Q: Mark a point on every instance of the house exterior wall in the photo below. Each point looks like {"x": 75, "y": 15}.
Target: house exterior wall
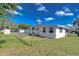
{"x": 29, "y": 32}
{"x": 60, "y": 34}
{"x": 56, "y": 32}
{"x": 21, "y": 31}
{"x": 47, "y": 34}
{"x": 7, "y": 31}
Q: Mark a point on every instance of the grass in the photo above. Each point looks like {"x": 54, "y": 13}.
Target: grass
{"x": 12, "y": 46}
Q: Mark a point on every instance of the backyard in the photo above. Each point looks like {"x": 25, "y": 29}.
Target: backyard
{"x": 10, "y": 45}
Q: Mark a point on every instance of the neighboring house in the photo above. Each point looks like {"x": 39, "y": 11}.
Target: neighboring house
{"x": 7, "y": 31}
{"x": 49, "y": 31}
{"x": 21, "y": 30}
{"x": 28, "y": 31}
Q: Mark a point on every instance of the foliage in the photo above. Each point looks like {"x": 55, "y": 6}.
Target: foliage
{"x": 3, "y": 12}
{"x": 6, "y": 6}
{"x": 24, "y": 26}
{"x": 5, "y": 23}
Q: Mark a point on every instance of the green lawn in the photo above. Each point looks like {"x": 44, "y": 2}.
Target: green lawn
{"x": 10, "y": 45}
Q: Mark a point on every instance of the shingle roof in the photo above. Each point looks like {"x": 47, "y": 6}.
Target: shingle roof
{"x": 60, "y": 26}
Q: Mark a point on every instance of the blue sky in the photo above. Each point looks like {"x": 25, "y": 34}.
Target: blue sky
{"x": 46, "y": 13}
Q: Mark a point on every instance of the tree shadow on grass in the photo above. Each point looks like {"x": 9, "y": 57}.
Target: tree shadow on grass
{"x": 24, "y": 42}
{"x": 2, "y": 42}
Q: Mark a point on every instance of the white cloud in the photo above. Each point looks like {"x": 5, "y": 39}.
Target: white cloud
{"x": 70, "y": 25}
{"x": 49, "y": 19}
{"x": 59, "y": 13}
{"x": 13, "y": 12}
{"x": 63, "y": 13}
{"x": 41, "y": 7}
{"x": 69, "y": 14}
{"x": 18, "y": 13}
{"x": 39, "y": 21}
{"x": 67, "y": 9}
{"x": 19, "y": 7}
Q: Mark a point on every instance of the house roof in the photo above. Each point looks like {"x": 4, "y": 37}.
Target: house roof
{"x": 56, "y": 26}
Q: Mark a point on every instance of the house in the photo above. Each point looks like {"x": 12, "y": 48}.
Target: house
{"x": 7, "y": 31}
{"x": 53, "y": 31}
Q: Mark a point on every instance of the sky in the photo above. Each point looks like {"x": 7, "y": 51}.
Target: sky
{"x": 46, "y": 13}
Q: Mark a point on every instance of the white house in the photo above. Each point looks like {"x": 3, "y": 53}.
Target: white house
{"x": 7, "y": 31}
{"x": 21, "y": 30}
{"x": 49, "y": 31}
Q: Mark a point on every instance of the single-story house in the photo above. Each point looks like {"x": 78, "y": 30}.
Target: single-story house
{"x": 53, "y": 31}
{"x": 21, "y": 30}
{"x": 7, "y": 31}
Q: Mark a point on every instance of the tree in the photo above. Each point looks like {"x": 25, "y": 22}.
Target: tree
{"x": 4, "y": 10}
{"x": 6, "y": 6}
{"x": 24, "y": 26}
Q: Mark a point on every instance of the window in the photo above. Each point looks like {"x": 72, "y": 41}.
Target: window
{"x": 44, "y": 30}
{"x": 50, "y": 30}
{"x": 36, "y": 28}
{"x": 61, "y": 29}
{"x": 33, "y": 28}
